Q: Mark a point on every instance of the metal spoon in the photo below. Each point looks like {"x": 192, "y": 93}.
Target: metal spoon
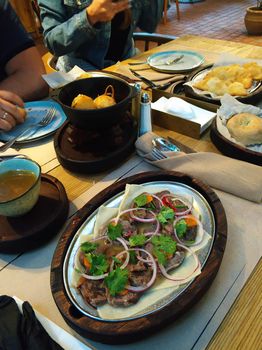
{"x": 164, "y": 145}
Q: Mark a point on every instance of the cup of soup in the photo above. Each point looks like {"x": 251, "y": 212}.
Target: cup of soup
{"x": 20, "y": 180}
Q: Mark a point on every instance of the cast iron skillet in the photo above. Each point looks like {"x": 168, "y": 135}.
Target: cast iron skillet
{"x": 96, "y": 119}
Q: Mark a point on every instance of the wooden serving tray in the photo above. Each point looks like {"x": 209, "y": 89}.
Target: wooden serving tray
{"x": 232, "y": 149}
{"x": 131, "y": 330}
{"x": 18, "y": 234}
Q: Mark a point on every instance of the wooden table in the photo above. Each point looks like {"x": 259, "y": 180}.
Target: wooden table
{"x": 241, "y": 329}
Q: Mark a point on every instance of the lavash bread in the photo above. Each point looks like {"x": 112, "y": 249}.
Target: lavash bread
{"x": 246, "y": 128}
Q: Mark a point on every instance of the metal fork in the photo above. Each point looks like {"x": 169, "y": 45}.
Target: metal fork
{"x": 157, "y": 154}
{"x": 43, "y": 122}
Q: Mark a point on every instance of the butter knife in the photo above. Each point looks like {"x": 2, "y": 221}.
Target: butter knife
{"x": 148, "y": 82}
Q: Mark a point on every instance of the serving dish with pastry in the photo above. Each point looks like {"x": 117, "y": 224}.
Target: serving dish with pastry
{"x": 241, "y": 80}
{"x": 237, "y": 130}
{"x": 138, "y": 254}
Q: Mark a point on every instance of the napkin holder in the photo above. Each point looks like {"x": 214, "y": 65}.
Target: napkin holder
{"x": 178, "y": 124}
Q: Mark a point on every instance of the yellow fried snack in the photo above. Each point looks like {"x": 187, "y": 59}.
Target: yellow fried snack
{"x": 234, "y": 79}
{"x": 254, "y": 69}
{"x": 237, "y": 89}
{"x": 216, "y": 86}
{"x": 83, "y": 102}
{"x": 107, "y": 99}
{"x": 246, "y": 128}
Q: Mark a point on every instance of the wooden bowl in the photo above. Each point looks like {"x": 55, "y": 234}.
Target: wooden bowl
{"x": 232, "y": 149}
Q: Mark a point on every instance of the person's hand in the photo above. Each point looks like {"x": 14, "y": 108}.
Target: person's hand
{"x": 12, "y": 110}
{"x": 105, "y": 10}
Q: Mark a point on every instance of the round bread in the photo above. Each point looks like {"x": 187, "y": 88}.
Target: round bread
{"x": 83, "y": 102}
{"x": 246, "y": 128}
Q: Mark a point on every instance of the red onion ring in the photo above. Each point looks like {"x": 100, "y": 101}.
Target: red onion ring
{"x": 181, "y": 279}
{"x": 94, "y": 278}
{"x": 153, "y": 278}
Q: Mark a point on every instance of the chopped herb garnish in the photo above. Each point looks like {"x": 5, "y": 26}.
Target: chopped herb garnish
{"x": 137, "y": 240}
{"x": 116, "y": 281}
{"x": 181, "y": 228}
{"x": 164, "y": 246}
{"x": 117, "y": 261}
{"x": 143, "y": 199}
{"x": 165, "y": 214}
{"x": 99, "y": 264}
{"x": 88, "y": 247}
{"x": 132, "y": 257}
{"x": 114, "y": 231}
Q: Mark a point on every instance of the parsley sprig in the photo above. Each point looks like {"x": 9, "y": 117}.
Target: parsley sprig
{"x": 98, "y": 264}
{"x": 163, "y": 247}
{"x": 88, "y": 247}
{"x": 116, "y": 281}
{"x": 165, "y": 214}
{"x": 114, "y": 231}
{"x": 137, "y": 240}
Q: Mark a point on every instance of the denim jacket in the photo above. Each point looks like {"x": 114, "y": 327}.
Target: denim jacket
{"x": 69, "y": 35}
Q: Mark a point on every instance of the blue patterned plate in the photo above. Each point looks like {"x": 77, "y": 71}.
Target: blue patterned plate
{"x": 36, "y": 111}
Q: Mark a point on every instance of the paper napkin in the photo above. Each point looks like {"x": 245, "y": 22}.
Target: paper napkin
{"x": 233, "y": 176}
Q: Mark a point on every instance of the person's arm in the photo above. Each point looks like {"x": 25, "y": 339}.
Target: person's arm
{"x": 64, "y": 35}
{"x": 24, "y": 75}
{"x": 12, "y": 110}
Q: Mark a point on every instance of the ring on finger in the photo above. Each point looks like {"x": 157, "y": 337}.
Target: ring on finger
{"x": 4, "y": 116}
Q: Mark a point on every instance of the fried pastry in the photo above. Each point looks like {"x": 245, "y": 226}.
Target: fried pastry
{"x": 234, "y": 79}
{"x": 246, "y": 128}
{"x": 237, "y": 89}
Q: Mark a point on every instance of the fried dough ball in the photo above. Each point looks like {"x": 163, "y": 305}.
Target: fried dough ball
{"x": 83, "y": 102}
{"x": 107, "y": 99}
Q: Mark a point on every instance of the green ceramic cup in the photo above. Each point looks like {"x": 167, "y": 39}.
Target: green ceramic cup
{"x": 24, "y": 202}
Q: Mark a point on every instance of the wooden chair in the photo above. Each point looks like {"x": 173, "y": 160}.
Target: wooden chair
{"x": 165, "y": 10}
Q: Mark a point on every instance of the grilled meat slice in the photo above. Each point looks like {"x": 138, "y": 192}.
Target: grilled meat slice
{"x": 177, "y": 260}
{"x": 93, "y": 292}
{"x": 123, "y": 299}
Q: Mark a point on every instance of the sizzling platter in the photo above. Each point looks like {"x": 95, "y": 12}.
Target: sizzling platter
{"x": 86, "y": 320}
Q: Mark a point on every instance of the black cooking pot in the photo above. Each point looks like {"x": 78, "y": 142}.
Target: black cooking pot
{"x": 96, "y": 118}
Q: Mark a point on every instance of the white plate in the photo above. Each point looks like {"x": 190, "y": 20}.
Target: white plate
{"x": 190, "y": 60}
{"x": 35, "y": 112}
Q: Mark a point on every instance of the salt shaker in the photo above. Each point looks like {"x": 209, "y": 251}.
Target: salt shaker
{"x": 145, "y": 123}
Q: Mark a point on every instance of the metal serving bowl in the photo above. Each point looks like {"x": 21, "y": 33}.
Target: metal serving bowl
{"x": 95, "y": 119}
